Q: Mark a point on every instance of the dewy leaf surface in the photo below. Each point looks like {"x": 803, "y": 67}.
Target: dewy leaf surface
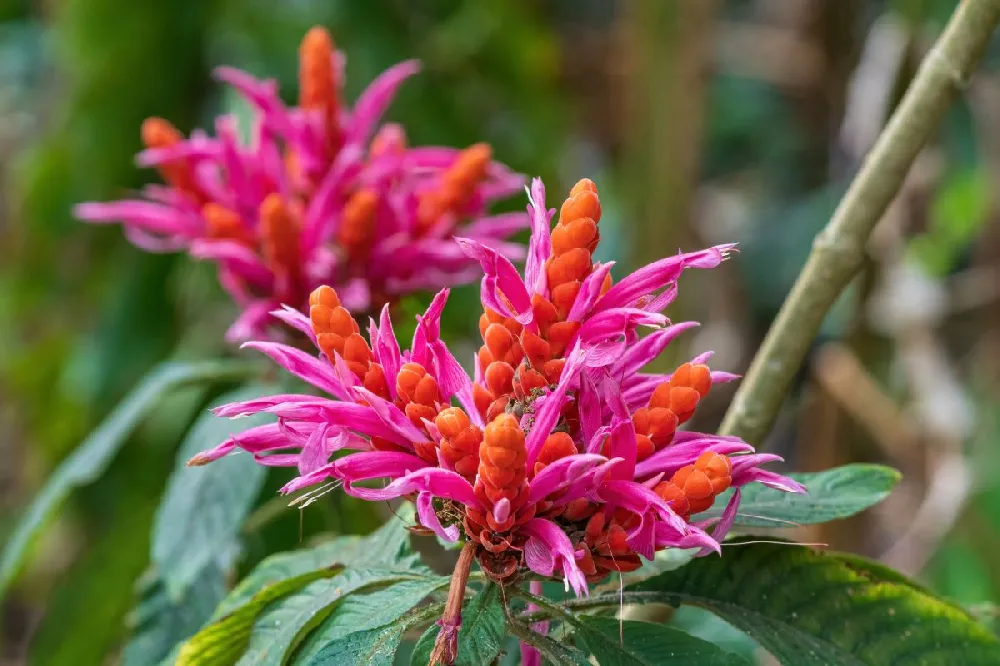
{"x": 632, "y": 643}
{"x": 823, "y": 609}
{"x": 836, "y": 493}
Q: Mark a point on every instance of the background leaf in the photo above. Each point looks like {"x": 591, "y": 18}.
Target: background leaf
{"x": 92, "y": 457}
{"x": 631, "y": 643}
{"x": 160, "y": 621}
{"x": 203, "y": 508}
{"x": 833, "y": 494}
{"x": 810, "y": 608}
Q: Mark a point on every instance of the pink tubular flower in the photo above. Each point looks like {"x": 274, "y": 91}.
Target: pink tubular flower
{"x": 319, "y": 196}
{"x": 560, "y": 457}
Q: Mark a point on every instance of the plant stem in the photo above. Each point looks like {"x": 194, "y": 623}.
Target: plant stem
{"x": 446, "y": 645}
{"x": 838, "y": 251}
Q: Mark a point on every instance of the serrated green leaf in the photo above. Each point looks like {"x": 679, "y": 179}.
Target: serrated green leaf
{"x": 95, "y": 453}
{"x": 480, "y": 637}
{"x": 283, "y": 625}
{"x": 824, "y": 609}
{"x": 373, "y": 647}
{"x": 203, "y": 508}
{"x": 556, "y": 653}
{"x": 364, "y": 611}
{"x": 224, "y": 640}
{"x": 836, "y": 493}
{"x": 631, "y": 643}
{"x": 386, "y": 547}
{"x": 160, "y": 621}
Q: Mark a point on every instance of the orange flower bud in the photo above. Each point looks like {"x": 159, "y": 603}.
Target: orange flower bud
{"x": 581, "y": 204}
{"x": 407, "y": 379}
{"x": 557, "y": 445}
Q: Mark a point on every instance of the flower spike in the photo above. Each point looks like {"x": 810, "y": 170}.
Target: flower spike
{"x": 320, "y": 195}
{"x": 564, "y": 459}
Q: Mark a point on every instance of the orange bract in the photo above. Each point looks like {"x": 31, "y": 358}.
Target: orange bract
{"x": 454, "y": 191}
{"x": 279, "y": 229}
{"x": 224, "y": 223}
{"x": 693, "y": 488}
{"x": 357, "y": 222}
{"x": 160, "y": 133}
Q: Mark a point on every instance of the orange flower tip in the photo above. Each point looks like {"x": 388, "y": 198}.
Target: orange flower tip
{"x": 317, "y": 89}
{"x": 273, "y": 206}
{"x": 478, "y": 153}
{"x": 583, "y": 185}
{"x": 317, "y": 38}
{"x": 451, "y": 421}
{"x": 159, "y": 133}
{"x": 582, "y": 204}
{"x": 324, "y": 295}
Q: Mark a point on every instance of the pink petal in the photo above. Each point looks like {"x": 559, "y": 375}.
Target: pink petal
{"x": 623, "y": 445}
{"x": 590, "y": 291}
{"x": 428, "y": 329}
{"x": 560, "y": 474}
{"x": 376, "y": 98}
{"x": 503, "y": 289}
{"x": 296, "y": 320}
{"x": 547, "y": 549}
{"x": 495, "y": 226}
{"x": 392, "y": 416}
{"x": 434, "y": 480}
{"x": 385, "y": 348}
{"x": 540, "y": 244}
{"x": 659, "y": 274}
{"x": 429, "y": 519}
{"x": 304, "y": 366}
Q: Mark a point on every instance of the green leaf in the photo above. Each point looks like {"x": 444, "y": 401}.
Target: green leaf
{"x": 836, "y": 493}
{"x": 361, "y": 612}
{"x": 387, "y": 547}
{"x": 372, "y": 647}
{"x": 225, "y": 639}
{"x": 824, "y": 609}
{"x": 159, "y": 622}
{"x": 93, "y": 456}
{"x": 203, "y": 508}
{"x": 552, "y": 651}
{"x": 480, "y": 636}
{"x": 283, "y": 625}
{"x": 632, "y": 643}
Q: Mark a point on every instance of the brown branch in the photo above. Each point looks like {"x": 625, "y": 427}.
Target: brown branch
{"x": 446, "y": 645}
{"x": 838, "y": 251}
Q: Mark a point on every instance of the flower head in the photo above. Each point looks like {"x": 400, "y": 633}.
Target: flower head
{"x": 559, "y": 456}
{"x": 321, "y": 195}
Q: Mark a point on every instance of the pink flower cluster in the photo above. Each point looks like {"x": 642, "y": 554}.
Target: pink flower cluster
{"x": 321, "y": 195}
{"x": 559, "y": 456}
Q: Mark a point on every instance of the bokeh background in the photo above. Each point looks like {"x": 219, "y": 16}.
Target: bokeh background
{"x": 702, "y": 122}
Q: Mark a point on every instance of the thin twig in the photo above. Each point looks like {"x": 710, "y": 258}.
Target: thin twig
{"x": 446, "y": 645}
{"x": 843, "y": 376}
{"x": 838, "y": 251}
